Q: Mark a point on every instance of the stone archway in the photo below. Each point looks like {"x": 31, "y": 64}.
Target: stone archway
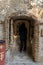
{"x": 32, "y": 27}
{"x": 13, "y": 23}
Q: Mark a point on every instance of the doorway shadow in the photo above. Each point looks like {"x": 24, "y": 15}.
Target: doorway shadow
{"x": 23, "y": 37}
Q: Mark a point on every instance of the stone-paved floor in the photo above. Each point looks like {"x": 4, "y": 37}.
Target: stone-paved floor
{"x": 18, "y": 58}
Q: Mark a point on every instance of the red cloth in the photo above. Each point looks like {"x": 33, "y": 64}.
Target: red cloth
{"x": 2, "y": 54}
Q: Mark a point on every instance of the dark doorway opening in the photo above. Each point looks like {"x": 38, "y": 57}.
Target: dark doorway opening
{"x": 23, "y": 37}
{"x": 21, "y": 29}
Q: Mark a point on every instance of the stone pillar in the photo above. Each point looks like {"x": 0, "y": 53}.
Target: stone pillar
{"x": 35, "y": 42}
{"x": 7, "y": 33}
{"x": 40, "y": 54}
{"x": 11, "y": 31}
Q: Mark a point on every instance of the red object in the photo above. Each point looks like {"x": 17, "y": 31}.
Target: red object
{"x": 2, "y": 52}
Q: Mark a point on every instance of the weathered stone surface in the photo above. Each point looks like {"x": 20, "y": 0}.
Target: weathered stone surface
{"x": 18, "y": 8}
{"x": 1, "y": 31}
{"x": 10, "y": 6}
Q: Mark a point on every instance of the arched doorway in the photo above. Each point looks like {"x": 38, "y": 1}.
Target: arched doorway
{"x": 14, "y": 31}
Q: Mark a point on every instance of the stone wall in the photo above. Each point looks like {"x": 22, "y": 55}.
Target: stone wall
{"x": 2, "y": 30}
{"x": 21, "y": 6}
{"x": 12, "y": 8}
{"x": 7, "y": 33}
